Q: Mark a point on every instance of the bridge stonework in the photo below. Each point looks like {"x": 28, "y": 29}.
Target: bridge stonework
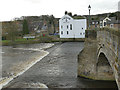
{"x": 96, "y": 42}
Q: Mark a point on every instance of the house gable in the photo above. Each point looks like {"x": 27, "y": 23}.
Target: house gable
{"x": 66, "y": 18}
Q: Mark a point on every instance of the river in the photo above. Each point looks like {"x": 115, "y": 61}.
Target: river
{"x": 58, "y": 69}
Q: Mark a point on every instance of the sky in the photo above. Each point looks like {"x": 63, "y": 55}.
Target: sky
{"x": 16, "y": 8}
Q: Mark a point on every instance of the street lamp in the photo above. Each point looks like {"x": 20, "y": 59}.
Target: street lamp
{"x": 89, "y": 8}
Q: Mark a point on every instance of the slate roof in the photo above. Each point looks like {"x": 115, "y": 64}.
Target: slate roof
{"x": 79, "y": 17}
{"x": 113, "y": 20}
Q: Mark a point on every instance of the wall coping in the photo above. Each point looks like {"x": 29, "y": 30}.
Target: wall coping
{"x": 113, "y": 31}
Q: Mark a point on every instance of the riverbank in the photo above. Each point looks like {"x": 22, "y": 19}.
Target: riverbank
{"x": 18, "y": 60}
{"x": 45, "y": 39}
{"x": 23, "y": 41}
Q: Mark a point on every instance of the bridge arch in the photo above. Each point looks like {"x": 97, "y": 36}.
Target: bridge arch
{"x": 103, "y": 67}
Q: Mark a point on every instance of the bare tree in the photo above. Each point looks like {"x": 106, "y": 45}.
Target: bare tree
{"x": 13, "y": 30}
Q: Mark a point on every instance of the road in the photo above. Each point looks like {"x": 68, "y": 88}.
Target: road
{"x": 58, "y": 70}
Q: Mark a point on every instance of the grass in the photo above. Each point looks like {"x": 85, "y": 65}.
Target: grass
{"x": 5, "y": 41}
{"x": 19, "y": 41}
{"x": 23, "y": 39}
{"x": 41, "y": 39}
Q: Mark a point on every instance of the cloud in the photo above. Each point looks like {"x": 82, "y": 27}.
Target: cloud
{"x": 18, "y": 8}
{"x": 119, "y": 6}
{"x": 34, "y": 1}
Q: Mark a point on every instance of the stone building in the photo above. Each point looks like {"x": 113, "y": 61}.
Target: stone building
{"x": 44, "y": 22}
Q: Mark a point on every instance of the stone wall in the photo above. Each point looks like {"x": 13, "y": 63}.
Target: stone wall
{"x": 87, "y": 58}
{"x": 110, "y": 42}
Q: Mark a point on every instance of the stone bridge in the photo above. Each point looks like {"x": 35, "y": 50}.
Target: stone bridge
{"x": 100, "y": 58}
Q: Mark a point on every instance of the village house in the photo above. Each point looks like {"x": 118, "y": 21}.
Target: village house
{"x": 72, "y": 27}
{"x": 95, "y": 24}
{"x": 111, "y": 22}
{"x": 115, "y": 23}
{"x": 104, "y": 22}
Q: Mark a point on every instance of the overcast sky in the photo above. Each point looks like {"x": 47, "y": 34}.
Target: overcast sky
{"x": 17, "y": 8}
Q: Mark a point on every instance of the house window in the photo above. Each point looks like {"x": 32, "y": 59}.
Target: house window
{"x": 82, "y": 28}
{"x": 67, "y": 32}
{"x": 70, "y": 26}
{"x": 67, "y": 27}
{"x": 105, "y": 24}
{"x": 80, "y": 33}
{"x": 93, "y": 22}
{"x": 101, "y": 24}
{"x": 61, "y": 32}
{"x": 96, "y": 22}
{"x": 111, "y": 25}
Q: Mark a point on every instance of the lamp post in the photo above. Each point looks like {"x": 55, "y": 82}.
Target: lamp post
{"x": 89, "y": 8}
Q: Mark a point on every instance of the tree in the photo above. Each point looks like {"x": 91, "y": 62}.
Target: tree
{"x": 12, "y": 31}
{"x": 112, "y": 15}
{"x": 25, "y": 27}
{"x": 51, "y": 25}
{"x": 75, "y": 15}
{"x": 70, "y": 14}
{"x": 66, "y": 12}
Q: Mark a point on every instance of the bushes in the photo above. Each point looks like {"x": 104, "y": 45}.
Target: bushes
{"x": 19, "y": 41}
{"x": 45, "y": 39}
{"x": 25, "y": 27}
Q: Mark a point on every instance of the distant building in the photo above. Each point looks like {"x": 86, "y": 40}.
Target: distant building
{"x": 104, "y": 22}
{"x": 95, "y": 24}
{"x": 72, "y": 28}
{"x": 111, "y": 22}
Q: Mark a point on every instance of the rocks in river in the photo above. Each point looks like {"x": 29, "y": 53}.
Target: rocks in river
{"x": 34, "y": 85}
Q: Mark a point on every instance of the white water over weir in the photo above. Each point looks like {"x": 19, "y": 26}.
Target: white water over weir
{"x": 20, "y": 68}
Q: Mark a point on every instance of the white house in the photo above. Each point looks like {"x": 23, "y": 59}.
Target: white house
{"x": 72, "y": 28}
{"x": 104, "y": 22}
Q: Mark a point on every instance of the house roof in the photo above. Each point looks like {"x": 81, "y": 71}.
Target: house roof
{"x": 114, "y": 20}
{"x": 66, "y": 16}
{"x": 78, "y": 17}
{"x": 74, "y": 17}
{"x": 105, "y": 18}
{"x": 101, "y": 19}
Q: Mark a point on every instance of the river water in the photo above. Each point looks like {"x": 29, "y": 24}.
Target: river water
{"x": 19, "y": 58}
{"x": 58, "y": 69}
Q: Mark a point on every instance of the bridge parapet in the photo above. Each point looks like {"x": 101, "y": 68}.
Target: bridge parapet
{"x": 100, "y": 41}
{"x": 110, "y": 41}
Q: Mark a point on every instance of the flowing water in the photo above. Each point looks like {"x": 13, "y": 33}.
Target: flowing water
{"x": 58, "y": 69}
